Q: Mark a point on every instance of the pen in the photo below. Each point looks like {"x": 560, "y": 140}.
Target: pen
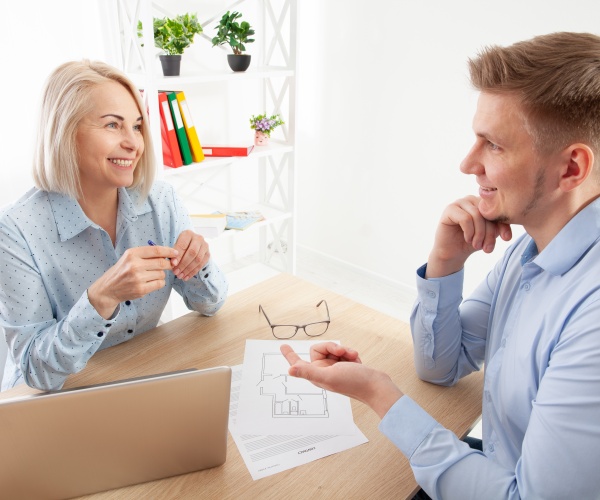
{"x": 152, "y": 244}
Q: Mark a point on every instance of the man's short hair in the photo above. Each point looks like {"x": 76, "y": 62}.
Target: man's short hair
{"x": 65, "y": 101}
{"x": 556, "y": 78}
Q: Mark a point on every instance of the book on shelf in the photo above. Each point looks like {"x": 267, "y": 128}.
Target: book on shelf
{"x": 170, "y": 144}
{"x": 184, "y": 145}
{"x": 241, "y": 220}
{"x": 227, "y": 150}
{"x": 190, "y": 129}
{"x": 209, "y": 225}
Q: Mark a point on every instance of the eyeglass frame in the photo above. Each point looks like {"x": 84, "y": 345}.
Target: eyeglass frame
{"x": 298, "y": 327}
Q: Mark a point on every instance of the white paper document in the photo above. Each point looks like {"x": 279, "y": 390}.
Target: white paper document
{"x": 266, "y": 453}
{"x": 273, "y": 402}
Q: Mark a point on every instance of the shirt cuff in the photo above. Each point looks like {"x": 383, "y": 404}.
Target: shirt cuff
{"x": 205, "y": 273}
{"x": 441, "y": 292}
{"x": 84, "y": 318}
{"x": 406, "y": 425}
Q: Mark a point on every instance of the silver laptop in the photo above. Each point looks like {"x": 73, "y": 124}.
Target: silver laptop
{"x": 80, "y": 441}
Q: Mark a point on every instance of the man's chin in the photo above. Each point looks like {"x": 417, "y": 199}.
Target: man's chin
{"x": 505, "y": 219}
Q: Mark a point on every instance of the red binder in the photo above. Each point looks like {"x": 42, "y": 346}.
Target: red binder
{"x": 227, "y": 150}
{"x": 170, "y": 146}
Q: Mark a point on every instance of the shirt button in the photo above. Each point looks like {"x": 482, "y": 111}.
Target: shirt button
{"x": 431, "y": 294}
{"x": 527, "y": 286}
{"x": 491, "y": 448}
{"x": 206, "y": 275}
{"x": 128, "y": 302}
{"x": 100, "y": 334}
{"x": 107, "y": 325}
{"x": 129, "y": 331}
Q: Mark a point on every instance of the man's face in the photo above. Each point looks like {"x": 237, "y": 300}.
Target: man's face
{"x": 512, "y": 176}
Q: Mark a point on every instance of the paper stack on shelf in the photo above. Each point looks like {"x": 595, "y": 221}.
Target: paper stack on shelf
{"x": 241, "y": 220}
{"x": 209, "y": 225}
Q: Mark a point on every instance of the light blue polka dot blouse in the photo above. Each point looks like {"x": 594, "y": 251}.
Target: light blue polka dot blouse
{"x": 50, "y": 252}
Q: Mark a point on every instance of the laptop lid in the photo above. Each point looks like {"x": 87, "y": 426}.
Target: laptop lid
{"x": 75, "y": 442}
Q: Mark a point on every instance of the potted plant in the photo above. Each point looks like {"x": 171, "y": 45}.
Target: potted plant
{"x": 263, "y": 127}
{"x": 173, "y": 36}
{"x": 236, "y": 34}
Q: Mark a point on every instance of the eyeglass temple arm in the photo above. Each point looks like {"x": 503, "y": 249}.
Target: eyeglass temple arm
{"x": 326, "y": 307}
{"x": 260, "y": 308}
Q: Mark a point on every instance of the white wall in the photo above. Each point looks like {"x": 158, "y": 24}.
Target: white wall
{"x": 384, "y": 110}
{"x": 36, "y": 36}
{"x": 385, "y": 119}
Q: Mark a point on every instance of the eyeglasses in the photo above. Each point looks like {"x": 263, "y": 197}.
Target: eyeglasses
{"x": 288, "y": 331}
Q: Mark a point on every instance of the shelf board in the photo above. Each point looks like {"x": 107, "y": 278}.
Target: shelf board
{"x": 211, "y": 162}
{"x": 171, "y": 82}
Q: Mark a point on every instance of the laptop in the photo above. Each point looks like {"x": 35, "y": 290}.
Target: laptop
{"x": 70, "y": 443}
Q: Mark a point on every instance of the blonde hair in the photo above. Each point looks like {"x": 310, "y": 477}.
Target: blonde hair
{"x": 65, "y": 101}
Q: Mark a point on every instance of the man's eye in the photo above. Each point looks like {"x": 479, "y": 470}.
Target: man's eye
{"x": 492, "y": 146}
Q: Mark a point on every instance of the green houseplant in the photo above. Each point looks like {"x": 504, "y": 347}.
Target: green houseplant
{"x": 236, "y": 34}
{"x": 173, "y": 36}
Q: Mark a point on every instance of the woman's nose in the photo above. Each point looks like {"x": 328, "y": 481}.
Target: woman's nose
{"x": 131, "y": 139}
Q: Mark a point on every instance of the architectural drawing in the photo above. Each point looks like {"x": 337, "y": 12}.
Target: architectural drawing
{"x": 291, "y": 397}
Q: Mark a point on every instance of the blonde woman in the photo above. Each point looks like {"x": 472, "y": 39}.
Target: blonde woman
{"x": 77, "y": 272}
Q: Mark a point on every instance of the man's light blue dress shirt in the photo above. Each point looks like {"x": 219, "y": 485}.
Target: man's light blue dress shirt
{"x": 535, "y": 325}
{"x": 50, "y": 253}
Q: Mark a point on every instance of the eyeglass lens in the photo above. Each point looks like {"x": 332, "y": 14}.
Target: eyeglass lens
{"x": 288, "y": 331}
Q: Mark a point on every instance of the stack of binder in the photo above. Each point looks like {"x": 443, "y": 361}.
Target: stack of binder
{"x": 180, "y": 142}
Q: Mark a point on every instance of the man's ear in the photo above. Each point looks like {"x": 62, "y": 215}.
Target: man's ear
{"x": 577, "y": 166}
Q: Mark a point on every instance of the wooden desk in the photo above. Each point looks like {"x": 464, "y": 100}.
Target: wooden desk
{"x": 373, "y": 470}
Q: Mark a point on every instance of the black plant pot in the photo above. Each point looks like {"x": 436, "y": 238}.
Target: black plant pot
{"x": 238, "y": 62}
{"x": 171, "y": 64}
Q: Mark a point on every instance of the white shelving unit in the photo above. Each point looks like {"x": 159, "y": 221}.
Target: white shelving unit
{"x": 265, "y": 180}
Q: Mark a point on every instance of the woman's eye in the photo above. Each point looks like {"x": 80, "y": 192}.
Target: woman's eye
{"x": 112, "y": 125}
{"x": 137, "y": 128}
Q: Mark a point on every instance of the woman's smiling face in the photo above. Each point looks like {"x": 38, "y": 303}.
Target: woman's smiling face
{"x": 109, "y": 139}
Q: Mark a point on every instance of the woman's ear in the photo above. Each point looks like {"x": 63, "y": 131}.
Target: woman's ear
{"x": 578, "y": 165}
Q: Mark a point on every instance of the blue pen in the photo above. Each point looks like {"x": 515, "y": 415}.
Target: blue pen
{"x": 152, "y": 244}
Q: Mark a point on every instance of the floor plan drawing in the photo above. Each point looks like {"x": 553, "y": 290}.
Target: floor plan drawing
{"x": 272, "y": 402}
{"x": 291, "y": 397}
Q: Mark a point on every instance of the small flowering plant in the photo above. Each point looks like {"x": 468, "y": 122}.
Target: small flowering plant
{"x": 262, "y": 123}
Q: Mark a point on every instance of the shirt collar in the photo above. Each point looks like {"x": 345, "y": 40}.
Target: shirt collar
{"x": 71, "y": 220}
{"x": 573, "y": 240}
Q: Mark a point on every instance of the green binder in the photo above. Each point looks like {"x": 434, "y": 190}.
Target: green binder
{"x": 184, "y": 145}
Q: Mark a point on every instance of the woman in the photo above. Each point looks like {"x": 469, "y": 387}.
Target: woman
{"x": 78, "y": 273}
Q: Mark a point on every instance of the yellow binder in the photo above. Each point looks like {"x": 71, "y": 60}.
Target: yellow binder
{"x": 190, "y": 129}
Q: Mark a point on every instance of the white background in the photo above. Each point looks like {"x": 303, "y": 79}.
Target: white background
{"x": 384, "y": 110}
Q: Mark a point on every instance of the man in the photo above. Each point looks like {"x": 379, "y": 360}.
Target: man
{"x": 535, "y": 320}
